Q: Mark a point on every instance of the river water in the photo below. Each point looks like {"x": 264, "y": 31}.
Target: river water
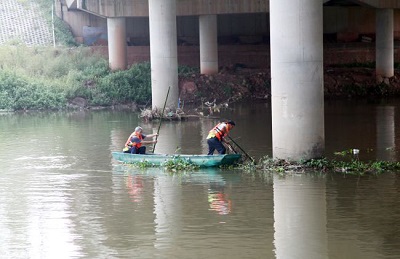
{"x": 63, "y": 196}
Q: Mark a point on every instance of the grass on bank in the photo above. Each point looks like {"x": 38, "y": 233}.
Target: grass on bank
{"x": 37, "y": 78}
{"x": 48, "y": 78}
{"x": 42, "y": 78}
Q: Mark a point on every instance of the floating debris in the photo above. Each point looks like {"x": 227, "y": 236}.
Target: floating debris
{"x": 155, "y": 114}
{"x": 206, "y": 109}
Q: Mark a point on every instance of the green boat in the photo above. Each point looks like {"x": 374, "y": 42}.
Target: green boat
{"x": 159, "y": 159}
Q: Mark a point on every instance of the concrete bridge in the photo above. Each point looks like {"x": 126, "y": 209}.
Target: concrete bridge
{"x": 132, "y": 8}
{"x": 295, "y": 31}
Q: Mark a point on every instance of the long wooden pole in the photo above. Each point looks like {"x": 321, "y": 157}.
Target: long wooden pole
{"x": 52, "y": 21}
{"x": 161, "y": 117}
{"x": 230, "y": 147}
{"x": 252, "y": 159}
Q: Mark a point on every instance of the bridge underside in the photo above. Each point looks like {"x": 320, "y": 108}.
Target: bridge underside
{"x": 139, "y": 8}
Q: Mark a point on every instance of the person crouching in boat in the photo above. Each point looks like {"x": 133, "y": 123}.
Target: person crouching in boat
{"x": 216, "y": 137}
{"x": 135, "y": 141}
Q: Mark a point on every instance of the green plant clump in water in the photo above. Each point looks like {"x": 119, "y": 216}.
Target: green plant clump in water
{"x": 174, "y": 165}
{"x": 142, "y": 164}
{"x": 179, "y": 164}
{"x": 352, "y": 167}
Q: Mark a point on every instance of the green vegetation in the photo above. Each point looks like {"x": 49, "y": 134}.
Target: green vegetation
{"x": 351, "y": 166}
{"x": 142, "y": 165}
{"x": 354, "y": 166}
{"x": 179, "y": 164}
{"x": 186, "y": 71}
{"x": 62, "y": 32}
{"x": 347, "y": 165}
{"x": 43, "y": 78}
{"x": 47, "y": 78}
{"x": 173, "y": 165}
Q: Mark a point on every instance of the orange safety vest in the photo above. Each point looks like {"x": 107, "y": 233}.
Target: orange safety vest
{"x": 134, "y": 144}
{"x": 219, "y": 131}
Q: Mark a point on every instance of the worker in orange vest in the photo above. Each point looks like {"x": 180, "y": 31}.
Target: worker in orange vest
{"x": 134, "y": 143}
{"x": 216, "y": 137}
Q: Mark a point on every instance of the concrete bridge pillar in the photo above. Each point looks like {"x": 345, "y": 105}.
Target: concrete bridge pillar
{"x": 117, "y": 51}
{"x": 208, "y": 44}
{"x": 297, "y": 79}
{"x": 384, "y": 43}
{"x": 163, "y": 53}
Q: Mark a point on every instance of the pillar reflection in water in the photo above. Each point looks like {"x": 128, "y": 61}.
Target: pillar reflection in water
{"x": 300, "y": 217}
{"x": 385, "y": 133}
{"x": 169, "y": 140}
{"x": 117, "y": 140}
{"x": 191, "y": 136}
{"x": 167, "y": 210}
{"x": 206, "y": 126}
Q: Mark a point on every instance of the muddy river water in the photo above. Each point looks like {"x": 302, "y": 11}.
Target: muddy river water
{"x": 63, "y": 196}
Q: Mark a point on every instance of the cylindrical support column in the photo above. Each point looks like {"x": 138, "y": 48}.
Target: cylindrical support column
{"x": 163, "y": 53}
{"x": 208, "y": 44}
{"x": 384, "y": 43}
{"x": 117, "y": 51}
{"x": 297, "y": 79}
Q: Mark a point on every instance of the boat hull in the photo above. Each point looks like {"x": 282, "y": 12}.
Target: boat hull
{"x": 159, "y": 159}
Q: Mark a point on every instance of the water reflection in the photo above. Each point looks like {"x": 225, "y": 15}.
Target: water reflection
{"x": 359, "y": 224}
{"x": 220, "y": 201}
{"x": 300, "y": 217}
{"x": 192, "y": 209}
{"x": 385, "y": 133}
{"x": 167, "y": 141}
{"x": 369, "y": 127}
{"x": 135, "y": 186}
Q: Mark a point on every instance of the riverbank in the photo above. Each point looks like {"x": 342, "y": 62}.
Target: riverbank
{"x": 76, "y": 78}
{"x": 238, "y": 83}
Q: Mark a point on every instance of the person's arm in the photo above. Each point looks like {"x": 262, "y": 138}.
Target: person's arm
{"x": 152, "y": 135}
{"x": 225, "y": 132}
{"x": 148, "y": 141}
{"x": 128, "y": 140}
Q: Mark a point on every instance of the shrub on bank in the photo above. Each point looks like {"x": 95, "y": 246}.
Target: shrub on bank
{"x": 18, "y": 93}
{"x": 46, "y": 78}
{"x": 132, "y": 85}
